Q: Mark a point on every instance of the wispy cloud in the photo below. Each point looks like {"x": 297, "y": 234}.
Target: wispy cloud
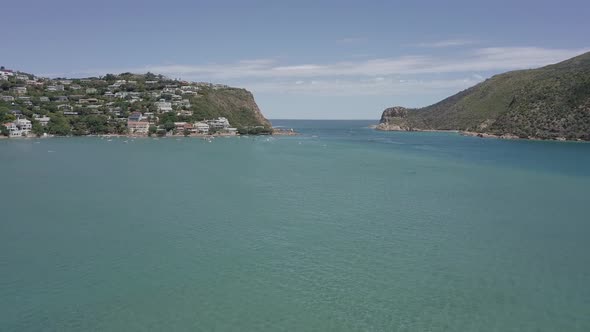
{"x": 446, "y": 43}
{"x": 482, "y": 59}
{"x": 365, "y": 75}
{"x": 368, "y": 87}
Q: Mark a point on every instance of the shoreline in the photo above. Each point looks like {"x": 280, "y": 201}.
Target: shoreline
{"x": 514, "y": 137}
{"x": 397, "y": 128}
{"x": 290, "y": 132}
{"x": 484, "y": 135}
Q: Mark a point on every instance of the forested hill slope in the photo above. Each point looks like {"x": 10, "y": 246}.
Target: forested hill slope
{"x": 551, "y": 102}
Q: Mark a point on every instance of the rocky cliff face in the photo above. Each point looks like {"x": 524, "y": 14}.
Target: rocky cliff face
{"x": 395, "y": 119}
{"x": 237, "y": 105}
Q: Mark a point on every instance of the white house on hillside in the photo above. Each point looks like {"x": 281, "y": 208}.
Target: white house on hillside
{"x": 55, "y": 88}
{"x": 19, "y": 90}
{"x": 6, "y": 73}
{"x": 18, "y": 128}
{"x": 138, "y": 127}
{"x": 163, "y": 106}
{"x": 219, "y": 123}
{"x": 44, "y": 120}
{"x": 201, "y": 127}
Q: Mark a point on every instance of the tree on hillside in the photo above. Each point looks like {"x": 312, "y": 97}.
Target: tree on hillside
{"x": 80, "y": 128}
{"x": 119, "y": 128}
{"x": 110, "y": 77}
{"x": 96, "y": 124}
{"x": 58, "y": 125}
{"x": 169, "y": 126}
{"x": 168, "y": 117}
{"x": 152, "y": 130}
{"x": 5, "y": 116}
{"x": 37, "y": 129}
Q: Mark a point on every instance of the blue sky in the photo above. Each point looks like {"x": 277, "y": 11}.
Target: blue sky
{"x": 303, "y": 59}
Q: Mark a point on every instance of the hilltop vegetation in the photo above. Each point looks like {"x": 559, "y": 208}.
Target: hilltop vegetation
{"x": 101, "y": 105}
{"x": 552, "y": 102}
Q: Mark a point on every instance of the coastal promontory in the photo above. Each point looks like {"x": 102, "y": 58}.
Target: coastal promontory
{"x": 124, "y": 104}
{"x": 551, "y": 102}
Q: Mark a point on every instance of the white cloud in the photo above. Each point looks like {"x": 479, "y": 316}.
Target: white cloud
{"x": 478, "y": 60}
{"x": 347, "y": 87}
{"x": 446, "y": 43}
{"x": 503, "y": 58}
{"x": 382, "y": 75}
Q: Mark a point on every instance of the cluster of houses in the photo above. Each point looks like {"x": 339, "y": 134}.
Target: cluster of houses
{"x": 23, "y": 127}
{"x": 139, "y": 124}
{"x": 220, "y": 125}
{"x": 89, "y": 98}
{"x": 82, "y": 98}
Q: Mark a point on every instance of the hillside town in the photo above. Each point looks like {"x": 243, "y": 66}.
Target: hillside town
{"x": 124, "y": 104}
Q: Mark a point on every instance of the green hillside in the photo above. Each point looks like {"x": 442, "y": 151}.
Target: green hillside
{"x": 549, "y": 103}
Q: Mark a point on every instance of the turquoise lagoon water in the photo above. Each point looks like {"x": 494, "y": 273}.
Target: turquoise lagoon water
{"x": 339, "y": 229}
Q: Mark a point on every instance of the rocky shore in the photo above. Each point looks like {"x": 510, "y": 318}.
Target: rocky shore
{"x": 284, "y": 132}
{"x": 511, "y": 136}
{"x": 400, "y": 119}
{"x": 389, "y": 127}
